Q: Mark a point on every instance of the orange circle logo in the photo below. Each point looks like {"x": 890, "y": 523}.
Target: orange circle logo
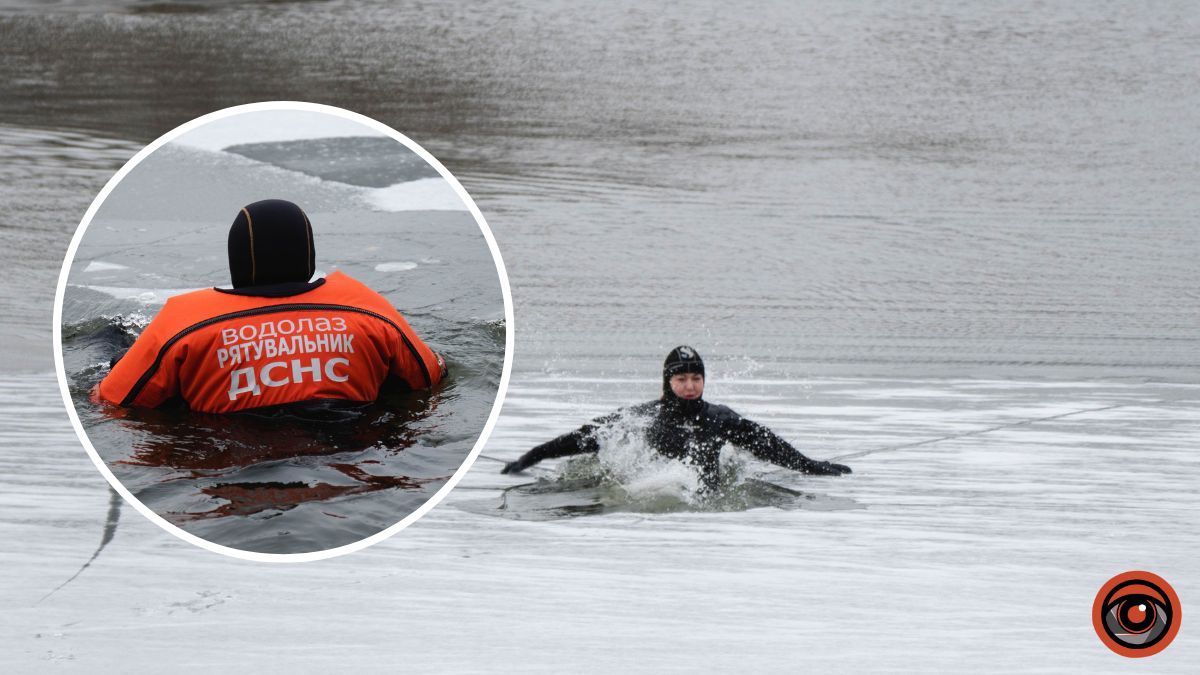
{"x": 1136, "y": 614}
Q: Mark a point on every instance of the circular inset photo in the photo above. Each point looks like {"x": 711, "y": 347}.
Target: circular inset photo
{"x": 283, "y": 331}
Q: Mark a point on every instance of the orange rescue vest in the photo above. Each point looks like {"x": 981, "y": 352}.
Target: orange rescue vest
{"x": 223, "y": 352}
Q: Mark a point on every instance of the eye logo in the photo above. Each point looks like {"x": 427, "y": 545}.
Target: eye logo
{"x": 1136, "y": 614}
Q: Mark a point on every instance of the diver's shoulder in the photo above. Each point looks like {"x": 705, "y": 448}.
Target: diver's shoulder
{"x": 345, "y": 288}
{"x": 199, "y": 302}
{"x": 184, "y": 310}
{"x": 198, "y": 295}
{"x": 721, "y": 412}
{"x": 641, "y": 408}
{"x": 340, "y": 278}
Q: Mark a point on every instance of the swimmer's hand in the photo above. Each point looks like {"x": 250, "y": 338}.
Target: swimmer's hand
{"x": 826, "y": 469}
{"x": 516, "y": 466}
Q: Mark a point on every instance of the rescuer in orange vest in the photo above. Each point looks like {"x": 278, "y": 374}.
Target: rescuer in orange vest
{"x": 275, "y": 337}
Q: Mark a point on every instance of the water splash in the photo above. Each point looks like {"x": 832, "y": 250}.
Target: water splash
{"x": 627, "y": 475}
{"x": 627, "y": 462}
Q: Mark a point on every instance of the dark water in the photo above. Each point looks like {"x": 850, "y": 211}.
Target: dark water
{"x": 878, "y": 190}
{"x": 558, "y": 498}
{"x": 47, "y": 180}
{"x": 297, "y": 480}
{"x": 288, "y": 481}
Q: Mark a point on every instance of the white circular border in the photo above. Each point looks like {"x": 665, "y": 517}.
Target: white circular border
{"x": 508, "y": 332}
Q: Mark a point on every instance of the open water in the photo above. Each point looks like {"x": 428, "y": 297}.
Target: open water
{"x": 883, "y": 225}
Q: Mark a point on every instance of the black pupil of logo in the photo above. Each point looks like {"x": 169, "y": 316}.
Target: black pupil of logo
{"x": 1136, "y": 620}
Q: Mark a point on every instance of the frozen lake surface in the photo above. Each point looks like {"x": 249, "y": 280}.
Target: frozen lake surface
{"x": 985, "y": 548}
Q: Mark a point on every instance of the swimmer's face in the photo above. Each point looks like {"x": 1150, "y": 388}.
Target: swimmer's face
{"x": 688, "y": 386}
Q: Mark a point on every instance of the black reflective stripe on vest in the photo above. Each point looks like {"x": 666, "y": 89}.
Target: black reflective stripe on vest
{"x": 141, "y": 383}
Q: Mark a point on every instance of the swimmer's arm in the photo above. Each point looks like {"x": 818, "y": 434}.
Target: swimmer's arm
{"x": 577, "y": 442}
{"x": 769, "y": 447}
{"x": 573, "y": 443}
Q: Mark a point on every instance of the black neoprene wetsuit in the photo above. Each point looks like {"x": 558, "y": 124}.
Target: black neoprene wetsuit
{"x": 688, "y": 430}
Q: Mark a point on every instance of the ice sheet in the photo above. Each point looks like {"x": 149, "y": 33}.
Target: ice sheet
{"x": 982, "y": 552}
{"x": 274, "y": 125}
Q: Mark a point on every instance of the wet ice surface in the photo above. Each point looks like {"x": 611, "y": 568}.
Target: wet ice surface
{"x": 984, "y": 550}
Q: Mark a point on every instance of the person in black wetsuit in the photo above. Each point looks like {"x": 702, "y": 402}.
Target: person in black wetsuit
{"x": 685, "y": 426}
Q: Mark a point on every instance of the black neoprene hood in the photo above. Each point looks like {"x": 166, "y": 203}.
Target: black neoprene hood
{"x": 271, "y": 242}
{"x": 682, "y": 359}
